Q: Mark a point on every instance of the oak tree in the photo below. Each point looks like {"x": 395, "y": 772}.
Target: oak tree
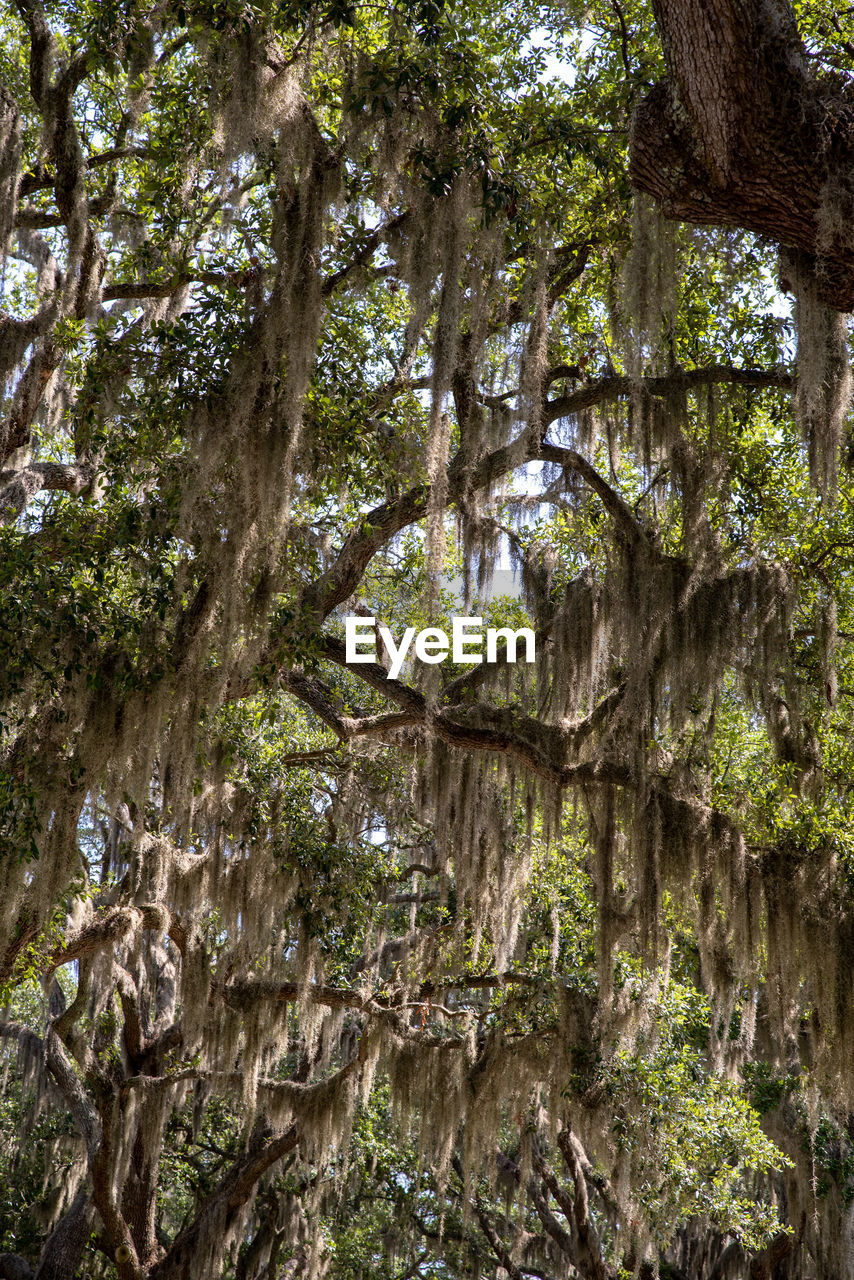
{"x": 325, "y": 309}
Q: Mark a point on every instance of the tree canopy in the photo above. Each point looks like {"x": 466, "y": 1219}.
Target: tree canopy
{"x": 322, "y": 310}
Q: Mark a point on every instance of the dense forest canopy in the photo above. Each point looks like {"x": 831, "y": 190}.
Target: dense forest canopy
{"x": 326, "y": 310}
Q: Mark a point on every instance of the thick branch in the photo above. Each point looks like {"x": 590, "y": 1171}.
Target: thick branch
{"x": 590, "y": 1261}
{"x": 542, "y": 749}
{"x": 14, "y": 1267}
{"x": 622, "y": 513}
{"x": 742, "y": 134}
{"x": 118, "y": 924}
{"x": 20, "y": 488}
{"x": 496, "y": 1244}
{"x": 366, "y": 251}
{"x": 246, "y": 993}
{"x": 227, "y": 1200}
{"x": 550, "y": 1223}
{"x": 382, "y": 523}
{"x": 62, "y": 1070}
{"x": 615, "y": 387}
{"x": 64, "y": 1247}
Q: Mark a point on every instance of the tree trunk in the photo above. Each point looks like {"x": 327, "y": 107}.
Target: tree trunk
{"x": 64, "y": 1249}
{"x": 14, "y": 1267}
{"x": 742, "y": 134}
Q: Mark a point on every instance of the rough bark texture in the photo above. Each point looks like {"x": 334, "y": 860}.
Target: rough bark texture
{"x": 742, "y": 133}
{"x": 14, "y": 1267}
{"x": 65, "y": 1245}
{"x": 10, "y": 151}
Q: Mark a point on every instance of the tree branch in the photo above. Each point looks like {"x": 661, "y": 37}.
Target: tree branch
{"x": 225, "y": 1203}
{"x": 18, "y": 489}
{"x": 742, "y": 133}
{"x": 118, "y": 924}
{"x": 495, "y": 1242}
{"x": 622, "y": 513}
{"x": 615, "y": 387}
